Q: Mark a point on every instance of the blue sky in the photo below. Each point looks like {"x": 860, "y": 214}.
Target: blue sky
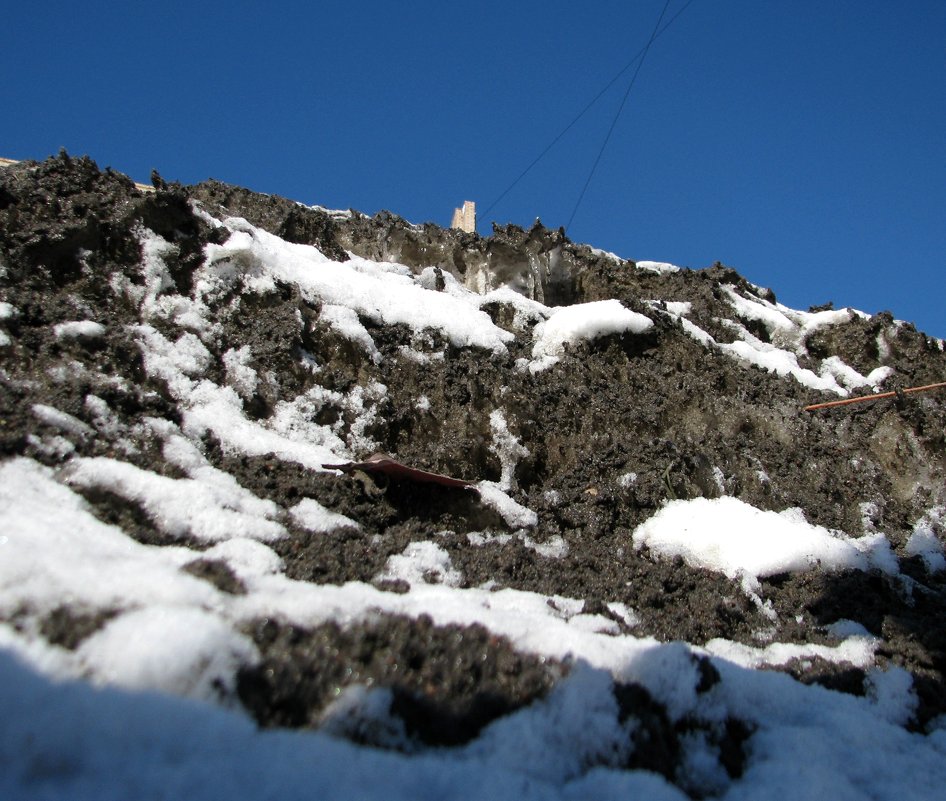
{"x": 803, "y": 142}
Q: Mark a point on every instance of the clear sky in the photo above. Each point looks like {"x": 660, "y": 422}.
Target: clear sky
{"x": 802, "y": 142}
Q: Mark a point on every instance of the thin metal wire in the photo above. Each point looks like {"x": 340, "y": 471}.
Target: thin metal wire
{"x": 584, "y": 111}
{"x": 614, "y": 122}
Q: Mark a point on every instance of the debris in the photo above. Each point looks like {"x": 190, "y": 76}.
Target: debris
{"x": 895, "y": 394}
{"x": 380, "y": 463}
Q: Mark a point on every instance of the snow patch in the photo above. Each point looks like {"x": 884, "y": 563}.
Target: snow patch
{"x": 659, "y": 267}
{"x": 312, "y": 516}
{"x": 188, "y": 652}
{"x": 568, "y": 325}
{"x": 79, "y": 329}
{"x": 422, "y": 563}
{"x": 514, "y": 513}
{"x": 731, "y": 537}
{"x": 209, "y": 507}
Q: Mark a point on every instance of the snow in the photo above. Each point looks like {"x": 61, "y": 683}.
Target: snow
{"x": 345, "y": 321}
{"x": 312, "y": 516}
{"x": 178, "y": 635}
{"x": 506, "y": 447}
{"x": 570, "y": 324}
{"x": 627, "y": 480}
{"x": 79, "y": 329}
{"x": 210, "y": 507}
{"x": 924, "y": 543}
{"x": 422, "y": 562}
{"x": 61, "y": 420}
{"x": 240, "y": 375}
{"x": 378, "y": 291}
{"x": 788, "y": 330}
{"x": 190, "y": 652}
{"x": 514, "y": 513}
{"x": 659, "y": 267}
{"x": 856, "y": 650}
{"x": 731, "y": 537}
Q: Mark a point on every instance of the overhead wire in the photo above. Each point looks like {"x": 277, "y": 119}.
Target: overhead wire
{"x": 614, "y": 122}
{"x": 640, "y": 53}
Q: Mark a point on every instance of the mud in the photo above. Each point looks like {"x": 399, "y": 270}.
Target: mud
{"x": 445, "y": 682}
{"x": 683, "y": 420}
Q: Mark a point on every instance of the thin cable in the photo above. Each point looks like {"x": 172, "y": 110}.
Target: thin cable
{"x": 614, "y": 122}
{"x": 584, "y": 111}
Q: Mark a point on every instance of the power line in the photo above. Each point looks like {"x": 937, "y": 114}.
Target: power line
{"x": 614, "y": 122}
{"x": 595, "y": 99}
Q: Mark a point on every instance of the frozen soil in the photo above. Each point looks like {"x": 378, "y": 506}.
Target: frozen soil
{"x": 619, "y": 426}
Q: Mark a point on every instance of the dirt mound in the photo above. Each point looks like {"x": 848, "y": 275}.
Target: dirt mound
{"x": 593, "y": 447}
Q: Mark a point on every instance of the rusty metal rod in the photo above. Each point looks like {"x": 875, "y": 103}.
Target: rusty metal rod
{"x": 864, "y": 398}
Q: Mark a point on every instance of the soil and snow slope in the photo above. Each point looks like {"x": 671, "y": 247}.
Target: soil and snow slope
{"x": 665, "y": 577}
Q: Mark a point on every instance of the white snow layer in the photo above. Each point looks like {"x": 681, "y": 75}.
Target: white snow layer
{"x": 173, "y": 642}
